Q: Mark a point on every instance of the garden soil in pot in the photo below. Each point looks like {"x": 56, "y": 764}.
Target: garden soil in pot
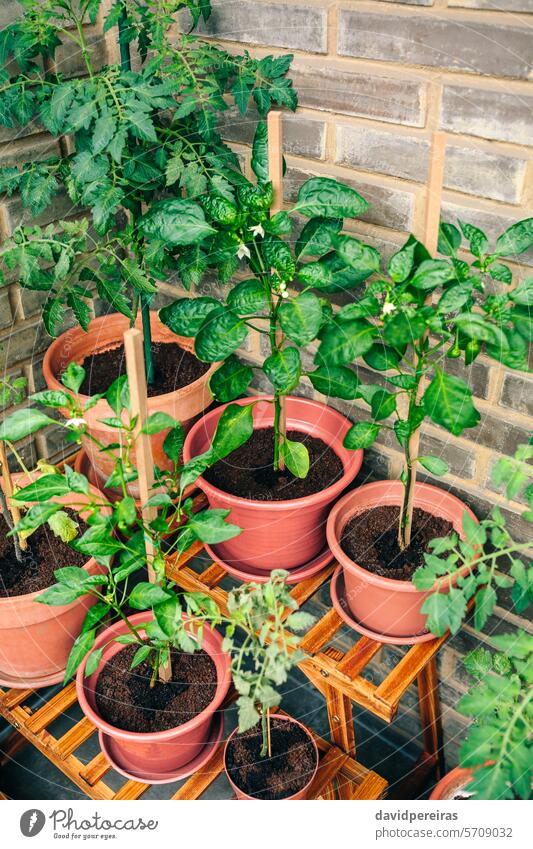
{"x": 125, "y": 699}
{"x": 289, "y": 769}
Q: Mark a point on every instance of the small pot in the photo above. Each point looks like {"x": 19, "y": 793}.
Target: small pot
{"x": 384, "y": 605}
{"x": 104, "y": 334}
{"x": 454, "y": 782}
{"x": 35, "y": 638}
{"x": 301, "y": 794}
{"x": 279, "y": 534}
{"x": 153, "y": 753}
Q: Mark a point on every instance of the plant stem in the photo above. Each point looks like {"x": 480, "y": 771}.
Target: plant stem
{"x": 410, "y": 454}
{"x": 265, "y": 727}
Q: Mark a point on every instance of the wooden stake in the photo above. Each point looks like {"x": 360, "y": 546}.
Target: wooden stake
{"x": 133, "y": 347}
{"x": 7, "y": 488}
{"x": 430, "y": 238}
{"x": 275, "y": 174}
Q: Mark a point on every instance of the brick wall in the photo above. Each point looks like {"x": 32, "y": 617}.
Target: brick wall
{"x": 374, "y": 79}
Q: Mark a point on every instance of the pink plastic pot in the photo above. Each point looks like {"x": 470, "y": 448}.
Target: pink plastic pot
{"x": 302, "y": 794}
{"x": 160, "y": 752}
{"x": 453, "y": 783}
{"x": 279, "y": 534}
{"x": 104, "y": 334}
{"x": 35, "y": 638}
{"x": 384, "y": 605}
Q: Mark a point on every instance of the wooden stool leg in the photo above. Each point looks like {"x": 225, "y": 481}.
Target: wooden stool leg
{"x": 342, "y": 731}
{"x": 430, "y": 714}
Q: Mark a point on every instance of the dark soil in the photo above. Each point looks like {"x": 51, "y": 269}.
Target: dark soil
{"x": 125, "y": 699}
{"x": 248, "y": 471}
{"x": 174, "y": 368}
{"x": 370, "y": 539}
{"x": 284, "y": 774}
{"x": 45, "y": 554}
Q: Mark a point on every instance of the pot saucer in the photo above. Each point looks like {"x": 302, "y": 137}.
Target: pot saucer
{"x": 16, "y": 683}
{"x": 340, "y": 603}
{"x": 215, "y": 735}
{"x": 260, "y": 576}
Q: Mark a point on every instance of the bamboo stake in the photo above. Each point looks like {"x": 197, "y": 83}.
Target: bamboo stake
{"x": 275, "y": 174}
{"x": 430, "y": 239}
{"x": 7, "y": 489}
{"x": 133, "y": 347}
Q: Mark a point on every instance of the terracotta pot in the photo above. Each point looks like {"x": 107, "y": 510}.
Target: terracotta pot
{"x": 104, "y": 334}
{"x": 386, "y": 606}
{"x": 279, "y": 534}
{"x": 453, "y": 783}
{"x": 157, "y": 752}
{"x": 35, "y": 638}
{"x": 301, "y": 794}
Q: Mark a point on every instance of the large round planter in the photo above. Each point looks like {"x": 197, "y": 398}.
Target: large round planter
{"x": 279, "y": 534}
{"x": 453, "y": 783}
{"x": 384, "y": 605}
{"x": 302, "y": 794}
{"x": 35, "y": 638}
{"x": 104, "y": 334}
{"x": 159, "y": 752}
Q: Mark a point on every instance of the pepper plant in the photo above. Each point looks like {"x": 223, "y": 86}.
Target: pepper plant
{"x": 498, "y": 746}
{"x": 263, "y": 658}
{"x": 487, "y": 560}
{"x": 398, "y": 333}
{"x": 320, "y": 261}
{"x": 117, "y": 533}
{"x": 135, "y": 136}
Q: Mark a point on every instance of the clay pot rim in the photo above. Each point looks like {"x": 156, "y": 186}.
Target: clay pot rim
{"x": 391, "y": 584}
{"x": 454, "y": 777}
{"x": 148, "y": 736}
{"x": 102, "y": 407}
{"x": 302, "y": 790}
{"x": 350, "y": 470}
{"x": 90, "y": 563}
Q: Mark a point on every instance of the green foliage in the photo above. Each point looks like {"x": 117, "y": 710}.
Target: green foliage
{"x": 263, "y": 658}
{"x": 498, "y": 746}
{"x": 485, "y": 561}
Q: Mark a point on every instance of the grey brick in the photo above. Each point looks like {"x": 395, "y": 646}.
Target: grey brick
{"x": 380, "y": 97}
{"x": 15, "y": 214}
{"x": 69, "y": 60}
{"x": 277, "y": 24}
{"x": 5, "y": 308}
{"x": 461, "y": 461}
{"x": 35, "y": 148}
{"x": 494, "y": 431}
{"x": 302, "y": 136}
{"x": 487, "y": 113}
{"x": 494, "y": 5}
{"x": 476, "y": 375}
{"x": 22, "y": 344}
{"x": 389, "y": 153}
{"x": 410, "y": 2}
{"x": 419, "y": 39}
{"x": 490, "y": 222}
{"x": 482, "y": 173}
{"x": 388, "y": 207}
{"x": 517, "y": 393}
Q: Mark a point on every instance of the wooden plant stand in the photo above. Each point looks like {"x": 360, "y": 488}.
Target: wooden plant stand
{"x": 339, "y": 675}
{"x": 339, "y": 775}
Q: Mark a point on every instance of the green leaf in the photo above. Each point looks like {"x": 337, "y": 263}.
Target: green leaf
{"x": 35, "y": 517}
{"x": 401, "y": 263}
{"x": 485, "y": 604}
{"x": 381, "y": 358}
{"x": 65, "y": 528}
{"x": 42, "y": 489}
{"x": 316, "y": 275}
{"x": 449, "y": 239}
{"x": 383, "y": 404}
{"x": 82, "y": 645}
{"x": 22, "y": 423}
{"x": 296, "y": 457}
{"x": 141, "y": 654}
{"x": 186, "y": 315}
{"x": 432, "y": 273}
{"x": 363, "y": 258}
{"x": 473, "y": 531}
{"x": 476, "y": 237}
{"x": 516, "y": 239}
{"x": 157, "y": 422}
{"x": 325, "y": 197}
{"x": 210, "y": 526}
{"x": 403, "y": 329}
{"x": 343, "y": 342}
{"x": 93, "y": 662}
{"x": 145, "y": 595}
{"x": 230, "y": 380}
{"x": 59, "y": 595}
{"x": 361, "y": 435}
{"x": 73, "y": 377}
{"x": 283, "y": 369}
{"x": 316, "y": 237}
{"x": 335, "y": 381}
{"x": 279, "y": 225}
{"x": 173, "y": 443}
{"x": 104, "y": 130}
{"x": 448, "y": 401}
{"x": 248, "y": 297}
{"x": 176, "y": 222}
{"x": 444, "y": 611}
{"x": 260, "y": 152}
{"x": 234, "y": 428}
{"x": 301, "y": 318}
{"x": 221, "y": 333}
{"x": 117, "y": 395}
{"x": 435, "y": 465}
